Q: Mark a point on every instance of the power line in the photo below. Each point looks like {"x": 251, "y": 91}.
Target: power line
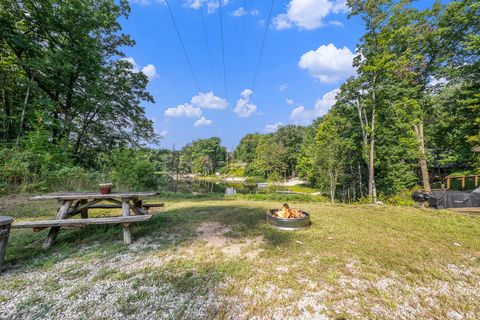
{"x": 208, "y": 44}
{"x": 183, "y": 46}
{"x": 223, "y": 50}
{"x": 263, "y": 45}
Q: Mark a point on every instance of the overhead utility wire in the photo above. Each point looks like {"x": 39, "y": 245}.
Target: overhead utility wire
{"x": 208, "y": 44}
{"x": 223, "y": 51}
{"x": 263, "y": 45}
{"x": 183, "y": 46}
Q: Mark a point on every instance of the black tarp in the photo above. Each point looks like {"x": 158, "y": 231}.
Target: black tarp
{"x": 476, "y": 198}
{"x": 454, "y": 199}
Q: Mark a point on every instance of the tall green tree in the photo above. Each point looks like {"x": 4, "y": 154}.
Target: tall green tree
{"x": 290, "y": 138}
{"x": 69, "y": 55}
{"x": 333, "y": 150}
{"x": 270, "y": 160}
{"x": 204, "y": 156}
{"x": 372, "y": 61}
{"x": 245, "y": 150}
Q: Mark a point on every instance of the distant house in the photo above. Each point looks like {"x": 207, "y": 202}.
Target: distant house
{"x": 476, "y": 149}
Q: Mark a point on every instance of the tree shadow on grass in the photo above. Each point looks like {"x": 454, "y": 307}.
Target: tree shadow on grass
{"x": 168, "y": 229}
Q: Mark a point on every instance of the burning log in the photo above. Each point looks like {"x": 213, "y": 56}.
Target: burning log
{"x": 287, "y": 213}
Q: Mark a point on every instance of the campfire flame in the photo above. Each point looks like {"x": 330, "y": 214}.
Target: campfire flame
{"x": 288, "y": 213}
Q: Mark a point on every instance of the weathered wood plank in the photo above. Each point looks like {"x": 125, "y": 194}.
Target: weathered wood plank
{"x": 127, "y": 235}
{"x": 105, "y": 206}
{"x": 115, "y": 206}
{"x": 92, "y": 195}
{"x": 52, "y": 234}
{"x": 64, "y": 223}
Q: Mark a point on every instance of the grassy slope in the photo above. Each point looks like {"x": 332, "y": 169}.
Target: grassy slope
{"x": 355, "y": 262}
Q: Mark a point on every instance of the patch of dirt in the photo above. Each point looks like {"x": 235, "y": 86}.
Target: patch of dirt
{"x": 214, "y": 234}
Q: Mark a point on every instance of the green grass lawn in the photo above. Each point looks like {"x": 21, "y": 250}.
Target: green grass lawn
{"x": 216, "y": 258}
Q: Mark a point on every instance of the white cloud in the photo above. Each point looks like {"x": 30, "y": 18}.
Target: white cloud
{"x": 328, "y": 63}
{"x": 194, "y": 4}
{"x": 303, "y": 115}
{"x": 244, "y": 107}
{"x": 323, "y": 105}
{"x": 282, "y": 22}
{"x": 336, "y": 23}
{"x": 283, "y": 87}
{"x": 208, "y": 101}
{"x": 194, "y": 108}
{"x": 307, "y": 14}
{"x": 211, "y": 5}
{"x": 289, "y": 101}
{"x": 340, "y": 6}
{"x": 183, "y": 111}
{"x": 163, "y": 133}
{"x": 202, "y": 122}
{"x": 240, "y": 12}
{"x": 149, "y": 70}
{"x": 270, "y": 128}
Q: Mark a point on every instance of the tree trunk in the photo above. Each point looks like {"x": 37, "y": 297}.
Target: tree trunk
{"x": 333, "y": 183}
{"x": 4, "y": 103}
{"x": 24, "y": 111}
{"x": 372, "y": 191}
{"x": 360, "y": 178}
{"x": 423, "y": 156}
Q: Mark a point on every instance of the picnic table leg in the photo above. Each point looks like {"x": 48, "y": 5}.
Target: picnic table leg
{"x": 127, "y": 235}
{"x": 84, "y": 212}
{"x": 52, "y": 234}
{"x": 137, "y": 207}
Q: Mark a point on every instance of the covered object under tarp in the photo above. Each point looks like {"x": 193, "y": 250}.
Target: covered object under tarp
{"x": 444, "y": 199}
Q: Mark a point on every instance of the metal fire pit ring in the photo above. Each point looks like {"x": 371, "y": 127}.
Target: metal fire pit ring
{"x": 288, "y": 224}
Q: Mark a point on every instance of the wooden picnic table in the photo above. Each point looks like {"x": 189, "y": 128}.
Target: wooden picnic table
{"x": 73, "y": 203}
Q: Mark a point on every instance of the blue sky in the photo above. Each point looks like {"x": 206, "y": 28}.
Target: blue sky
{"x": 307, "y": 55}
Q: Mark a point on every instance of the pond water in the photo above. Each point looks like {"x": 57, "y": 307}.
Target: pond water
{"x": 202, "y": 186}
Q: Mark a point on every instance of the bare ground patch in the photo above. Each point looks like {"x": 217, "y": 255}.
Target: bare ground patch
{"x": 214, "y": 235}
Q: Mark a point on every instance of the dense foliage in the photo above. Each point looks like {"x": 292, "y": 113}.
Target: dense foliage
{"x": 67, "y": 95}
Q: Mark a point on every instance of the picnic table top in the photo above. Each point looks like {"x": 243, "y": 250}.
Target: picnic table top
{"x": 91, "y": 195}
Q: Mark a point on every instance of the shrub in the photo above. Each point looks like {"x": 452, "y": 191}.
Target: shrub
{"x": 131, "y": 169}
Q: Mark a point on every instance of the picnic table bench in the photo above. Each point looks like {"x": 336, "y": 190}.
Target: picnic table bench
{"x": 73, "y": 203}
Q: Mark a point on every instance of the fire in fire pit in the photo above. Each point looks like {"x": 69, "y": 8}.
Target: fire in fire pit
{"x": 288, "y": 213}
{"x": 288, "y": 219}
